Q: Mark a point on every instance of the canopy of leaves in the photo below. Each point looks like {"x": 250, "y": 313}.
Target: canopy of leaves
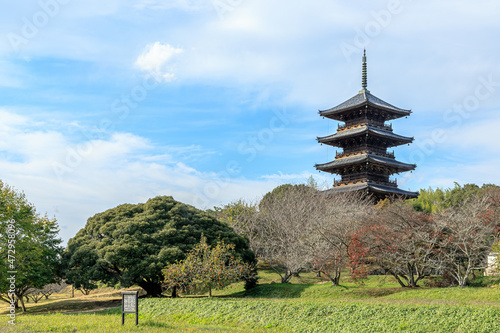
{"x": 431, "y": 200}
{"x": 29, "y": 244}
{"x": 208, "y": 267}
{"x": 131, "y": 244}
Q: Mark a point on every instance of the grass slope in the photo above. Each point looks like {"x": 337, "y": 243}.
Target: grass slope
{"x": 309, "y": 304}
{"x": 325, "y": 316}
{"x": 243, "y": 315}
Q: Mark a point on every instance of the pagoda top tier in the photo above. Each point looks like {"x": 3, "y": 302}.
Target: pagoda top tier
{"x": 364, "y": 100}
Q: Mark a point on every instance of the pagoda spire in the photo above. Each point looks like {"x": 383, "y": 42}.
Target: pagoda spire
{"x": 364, "y": 84}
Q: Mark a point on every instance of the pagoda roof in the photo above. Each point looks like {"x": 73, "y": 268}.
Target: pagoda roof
{"x": 377, "y": 188}
{"x": 364, "y": 97}
{"x": 330, "y": 139}
{"x": 363, "y": 158}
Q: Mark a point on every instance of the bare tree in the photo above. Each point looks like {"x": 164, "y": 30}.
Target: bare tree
{"x": 399, "y": 240}
{"x": 47, "y": 290}
{"x": 467, "y": 235}
{"x": 52, "y": 288}
{"x": 282, "y": 223}
{"x": 329, "y": 235}
{"x": 34, "y": 294}
{"x": 296, "y": 226}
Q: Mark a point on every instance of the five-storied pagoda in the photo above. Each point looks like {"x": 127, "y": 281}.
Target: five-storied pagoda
{"x": 365, "y": 164}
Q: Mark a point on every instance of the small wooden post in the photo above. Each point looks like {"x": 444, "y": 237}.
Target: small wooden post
{"x": 130, "y": 304}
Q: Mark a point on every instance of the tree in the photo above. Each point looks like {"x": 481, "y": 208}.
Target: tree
{"x": 492, "y": 195}
{"x": 329, "y": 235}
{"x": 279, "y": 226}
{"x": 433, "y": 201}
{"x": 34, "y": 294}
{"x": 178, "y": 277}
{"x": 208, "y": 267}
{"x": 81, "y": 263}
{"x": 296, "y": 226}
{"x": 131, "y": 244}
{"x": 401, "y": 241}
{"x": 29, "y": 246}
{"x": 52, "y": 288}
{"x": 430, "y": 200}
{"x": 468, "y": 232}
{"x": 240, "y": 215}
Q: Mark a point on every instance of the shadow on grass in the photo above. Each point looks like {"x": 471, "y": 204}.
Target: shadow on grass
{"x": 73, "y": 305}
{"x": 315, "y": 291}
{"x": 275, "y": 290}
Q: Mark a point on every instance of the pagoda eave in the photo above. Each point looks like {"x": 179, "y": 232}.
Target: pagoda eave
{"x": 393, "y": 165}
{"x": 365, "y": 99}
{"x": 338, "y": 138}
{"x": 377, "y": 189}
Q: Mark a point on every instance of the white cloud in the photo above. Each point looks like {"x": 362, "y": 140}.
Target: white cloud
{"x": 286, "y": 48}
{"x": 155, "y": 60}
{"x": 96, "y": 175}
{"x": 323, "y": 180}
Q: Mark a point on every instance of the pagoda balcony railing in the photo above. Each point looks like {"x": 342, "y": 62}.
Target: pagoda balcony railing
{"x": 383, "y": 126}
{"x": 340, "y": 128}
{"x": 354, "y": 179}
{"x": 363, "y": 122}
{"x": 380, "y": 152}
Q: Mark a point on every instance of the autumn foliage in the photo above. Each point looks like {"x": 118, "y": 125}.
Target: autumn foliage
{"x": 207, "y": 267}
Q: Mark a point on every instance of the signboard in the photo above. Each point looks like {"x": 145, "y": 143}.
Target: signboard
{"x": 130, "y": 305}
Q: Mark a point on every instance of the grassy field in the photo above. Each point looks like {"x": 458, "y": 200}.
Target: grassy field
{"x": 308, "y": 304}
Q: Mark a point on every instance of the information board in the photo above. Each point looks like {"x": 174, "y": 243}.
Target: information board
{"x": 130, "y": 305}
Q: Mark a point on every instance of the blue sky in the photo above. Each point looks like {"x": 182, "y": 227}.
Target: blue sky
{"x": 110, "y": 102}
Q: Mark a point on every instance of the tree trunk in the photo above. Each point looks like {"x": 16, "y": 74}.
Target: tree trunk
{"x": 472, "y": 276}
{"x": 16, "y": 301}
{"x": 174, "y": 292}
{"x": 85, "y": 291}
{"x": 335, "y": 280}
{"x": 462, "y": 279}
{"x": 22, "y": 303}
{"x": 411, "y": 278}
{"x": 209, "y": 292}
{"x": 286, "y": 278}
{"x": 398, "y": 279}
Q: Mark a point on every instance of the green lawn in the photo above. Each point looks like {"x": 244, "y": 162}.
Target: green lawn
{"x": 308, "y": 304}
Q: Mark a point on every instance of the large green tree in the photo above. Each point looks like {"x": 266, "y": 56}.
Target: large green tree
{"x": 29, "y": 247}
{"x": 131, "y": 244}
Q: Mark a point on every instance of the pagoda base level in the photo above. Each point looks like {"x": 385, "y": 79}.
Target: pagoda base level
{"x": 377, "y": 190}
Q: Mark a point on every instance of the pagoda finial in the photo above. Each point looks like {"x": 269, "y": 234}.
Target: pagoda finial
{"x": 364, "y": 74}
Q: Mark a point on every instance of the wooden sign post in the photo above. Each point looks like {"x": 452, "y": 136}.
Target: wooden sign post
{"x": 130, "y": 305}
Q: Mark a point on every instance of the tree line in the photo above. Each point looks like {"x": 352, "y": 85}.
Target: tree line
{"x": 442, "y": 232}
{"x": 165, "y": 245}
